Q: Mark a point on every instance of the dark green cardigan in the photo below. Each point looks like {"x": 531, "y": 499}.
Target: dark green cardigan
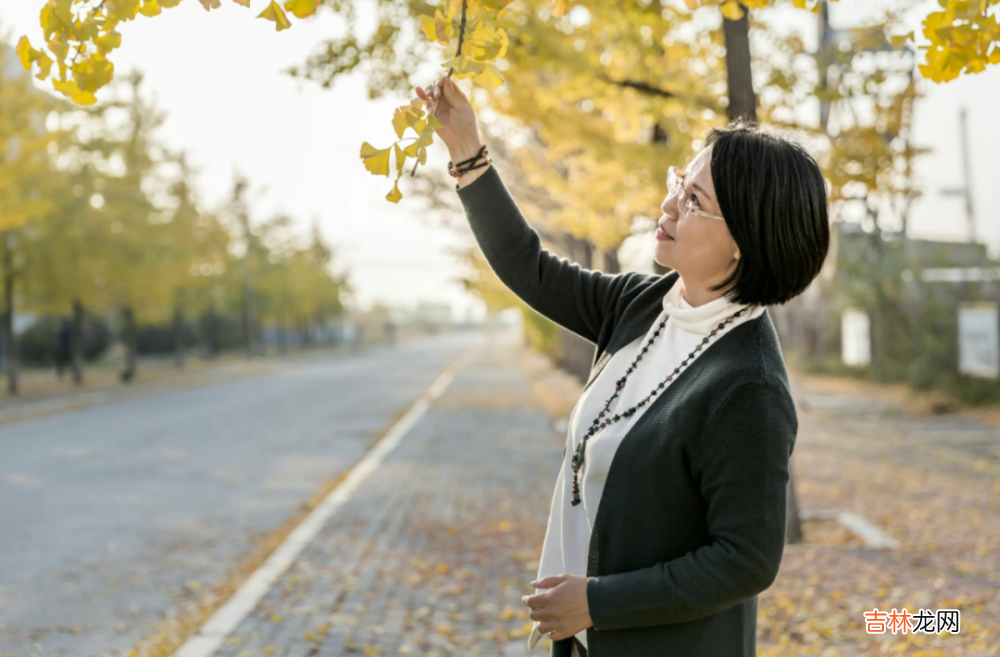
{"x": 691, "y": 523}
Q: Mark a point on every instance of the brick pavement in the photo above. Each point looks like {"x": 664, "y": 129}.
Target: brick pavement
{"x": 434, "y": 551}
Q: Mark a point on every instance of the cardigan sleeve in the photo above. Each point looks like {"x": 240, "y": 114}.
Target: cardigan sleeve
{"x": 576, "y": 298}
{"x": 743, "y": 470}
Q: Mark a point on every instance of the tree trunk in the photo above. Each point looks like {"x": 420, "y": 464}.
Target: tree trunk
{"x": 793, "y": 519}
{"x": 131, "y": 350}
{"x": 9, "y": 343}
{"x": 280, "y": 335}
{"x": 742, "y": 100}
{"x": 76, "y": 352}
{"x": 212, "y": 330}
{"x": 610, "y": 262}
{"x": 743, "y": 105}
{"x": 247, "y": 321}
{"x": 179, "y": 330}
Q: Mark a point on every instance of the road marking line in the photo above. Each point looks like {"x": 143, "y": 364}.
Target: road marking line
{"x": 867, "y": 531}
{"x": 226, "y": 619}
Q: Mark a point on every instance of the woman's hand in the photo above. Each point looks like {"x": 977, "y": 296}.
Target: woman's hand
{"x": 563, "y": 611}
{"x": 459, "y": 130}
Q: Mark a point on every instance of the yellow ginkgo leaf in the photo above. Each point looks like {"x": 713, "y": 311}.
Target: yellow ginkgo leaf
{"x": 412, "y": 149}
{"x": 150, "y": 8}
{"x": 400, "y": 160}
{"x": 244, "y": 3}
{"x": 122, "y": 10}
{"x": 92, "y": 74}
{"x": 732, "y": 10}
{"x": 44, "y": 66}
{"x": 275, "y": 13}
{"x": 691, "y": 4}
{"x": 395, "y": 194}
{"x": 491, "y": 77}
{"x": 376, "y": 160}
{"x": 108, "y": 42}
{"x": 26, "y": 53}
{"x": 210, "y": 4}
{"x": 169, "y": 4}
{"x": 69, "y": 88}
{"x": 443, "y": 28}
{"x": 303, "y": 8}
{"x": 399, "y": 120}
{"x": 427, "y": 27}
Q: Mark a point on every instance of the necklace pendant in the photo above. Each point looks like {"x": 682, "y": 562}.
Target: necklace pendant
{"x": 578, "y": 455}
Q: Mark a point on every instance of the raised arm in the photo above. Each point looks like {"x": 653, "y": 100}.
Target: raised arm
{"x": 571, "y": 296}
{"x": 575, "y": 298}
{"x": 743, "y": 470}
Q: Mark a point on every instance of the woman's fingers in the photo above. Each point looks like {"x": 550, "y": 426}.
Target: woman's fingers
{"x": 551, "y": 627}
{"x": 541, "y": 614}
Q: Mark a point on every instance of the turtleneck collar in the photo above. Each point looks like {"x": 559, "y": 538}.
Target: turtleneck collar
{"x": 699, "y": 320}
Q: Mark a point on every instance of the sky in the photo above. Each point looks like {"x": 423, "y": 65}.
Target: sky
{"x": 219, "y": 77}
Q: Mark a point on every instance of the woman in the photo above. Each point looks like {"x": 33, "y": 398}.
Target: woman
{"x": 668, "y": 516}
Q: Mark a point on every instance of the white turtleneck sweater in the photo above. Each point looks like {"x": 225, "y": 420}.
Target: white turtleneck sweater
{"x": 567, "y": 537}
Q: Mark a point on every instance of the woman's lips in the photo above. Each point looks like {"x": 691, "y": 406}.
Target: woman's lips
{"x": 663, "y": 237}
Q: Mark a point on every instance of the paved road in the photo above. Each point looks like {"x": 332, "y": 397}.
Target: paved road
{"x": 107, "y": 514}
{"x": 432, "y": 553}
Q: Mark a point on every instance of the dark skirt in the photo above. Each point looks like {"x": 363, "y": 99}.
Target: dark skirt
{"x": 579, "y": 647}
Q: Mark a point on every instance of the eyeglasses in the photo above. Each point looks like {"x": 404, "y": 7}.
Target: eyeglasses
{"x": 675, "y": 183}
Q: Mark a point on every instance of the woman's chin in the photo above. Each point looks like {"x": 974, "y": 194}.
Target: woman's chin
{"x": 661, "y": 257}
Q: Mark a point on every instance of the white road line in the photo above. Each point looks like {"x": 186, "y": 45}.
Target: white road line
{"x": 229, "y": 616}
{"x": 867, "y": 531}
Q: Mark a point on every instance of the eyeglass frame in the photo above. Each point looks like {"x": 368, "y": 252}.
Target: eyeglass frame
{"x": 675, "y": 179}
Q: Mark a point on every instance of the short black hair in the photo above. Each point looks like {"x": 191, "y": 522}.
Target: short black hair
{"x": 772, "y": 193}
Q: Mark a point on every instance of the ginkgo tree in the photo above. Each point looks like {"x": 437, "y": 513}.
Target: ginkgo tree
{"x": 80, "y": 35}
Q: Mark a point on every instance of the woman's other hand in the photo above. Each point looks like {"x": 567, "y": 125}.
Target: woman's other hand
{"x": 459, "y": 130}
{"x": 562, "y": 611}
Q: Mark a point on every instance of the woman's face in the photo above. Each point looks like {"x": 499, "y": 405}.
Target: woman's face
{"x": 699, "y": 248}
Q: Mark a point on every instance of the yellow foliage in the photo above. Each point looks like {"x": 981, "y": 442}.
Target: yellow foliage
{"x": 731, "y": 10}
{"x": 92, "y": 74}
{"x": 150, "y": 8}
{"x": 275, "y": 13}
{"x": 376, "y": 159}
{"x": 395, "y": 194}
{"x": 303, "y": 8}
{"x": 70, "y": 89}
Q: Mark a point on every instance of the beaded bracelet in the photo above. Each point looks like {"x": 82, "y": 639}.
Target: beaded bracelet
{"x": 476, "y": 166}
{"x": 458, "y": 173}
{"x": 483, "y": 150}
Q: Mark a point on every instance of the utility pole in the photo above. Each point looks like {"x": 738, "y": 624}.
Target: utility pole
{"x": 966, "y": 190}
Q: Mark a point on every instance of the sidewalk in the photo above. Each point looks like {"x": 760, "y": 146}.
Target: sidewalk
{"x": 433, "y": 552}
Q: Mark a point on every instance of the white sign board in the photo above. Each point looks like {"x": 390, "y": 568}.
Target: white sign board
{"x": 979, "y": 339}
{"x": 855, "y": 338}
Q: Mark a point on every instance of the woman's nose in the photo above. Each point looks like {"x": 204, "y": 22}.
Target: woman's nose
{"x": 669, "y": 207}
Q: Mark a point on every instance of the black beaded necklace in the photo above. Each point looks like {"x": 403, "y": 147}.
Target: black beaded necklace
{"x": 620, "y": 385}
